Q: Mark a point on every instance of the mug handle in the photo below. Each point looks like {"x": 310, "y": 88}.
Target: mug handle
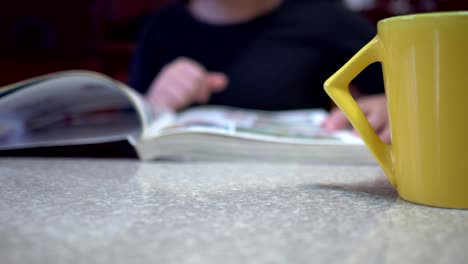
{"x": 337, "y": 87}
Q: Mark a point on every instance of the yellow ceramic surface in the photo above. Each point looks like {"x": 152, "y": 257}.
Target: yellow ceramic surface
{"x": 425, "y": 63}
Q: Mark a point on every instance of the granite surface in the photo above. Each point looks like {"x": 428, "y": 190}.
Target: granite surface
{"x": 124, "y": 211}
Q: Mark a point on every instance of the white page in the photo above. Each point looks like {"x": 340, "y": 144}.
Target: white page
{"x": 66, "y": 110}
{"x": 302, "y": 126}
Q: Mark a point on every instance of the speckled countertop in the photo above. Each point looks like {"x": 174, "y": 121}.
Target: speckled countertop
{"x": 125, "y": 211}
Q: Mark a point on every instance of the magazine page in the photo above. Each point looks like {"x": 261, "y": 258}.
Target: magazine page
{"x": 293, "y": 126}
{"x": 65, "y": 108}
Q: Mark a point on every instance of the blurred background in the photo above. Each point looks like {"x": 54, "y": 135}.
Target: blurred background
{"x": 38, "y": 37}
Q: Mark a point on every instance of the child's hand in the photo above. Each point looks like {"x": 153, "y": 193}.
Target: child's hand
{"x": 184, "y": 82}
{"x": 374, "y": 108}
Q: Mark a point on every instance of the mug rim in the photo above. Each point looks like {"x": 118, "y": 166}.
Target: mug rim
{"x": 424, "y": 15}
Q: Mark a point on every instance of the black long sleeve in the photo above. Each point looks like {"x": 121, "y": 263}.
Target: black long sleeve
{"x": 274, "y": 62}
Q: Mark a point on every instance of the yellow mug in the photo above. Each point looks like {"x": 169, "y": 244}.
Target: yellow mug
{"x": 424, "y": 59}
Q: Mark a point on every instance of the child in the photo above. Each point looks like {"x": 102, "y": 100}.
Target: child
{"x": 263, "y": 54}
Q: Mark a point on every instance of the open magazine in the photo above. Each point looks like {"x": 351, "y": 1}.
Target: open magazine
{"x": 83, "y": 107}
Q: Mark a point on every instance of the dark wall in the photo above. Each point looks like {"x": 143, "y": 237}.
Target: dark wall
{"x": 387, "y": 8}
{"x": 44, "y": 25}
{"x": 38, "y": 37}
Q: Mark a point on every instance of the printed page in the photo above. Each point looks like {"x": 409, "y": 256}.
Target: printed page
{"x": 61, "y": 109}
{"x": 300, "y": 126}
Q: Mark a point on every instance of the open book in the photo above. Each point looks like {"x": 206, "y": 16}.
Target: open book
{"x": 83, "y": 107}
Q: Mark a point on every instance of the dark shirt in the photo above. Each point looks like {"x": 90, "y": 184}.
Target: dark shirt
{"x": 277, "y": 61}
